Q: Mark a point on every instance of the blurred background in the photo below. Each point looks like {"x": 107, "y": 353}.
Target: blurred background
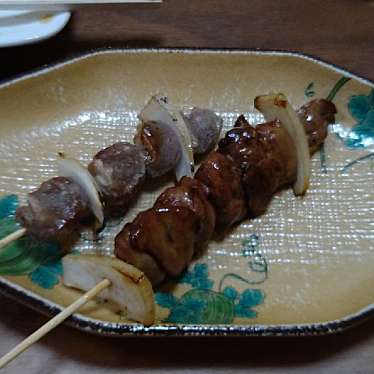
{"x": 338, "y": 31}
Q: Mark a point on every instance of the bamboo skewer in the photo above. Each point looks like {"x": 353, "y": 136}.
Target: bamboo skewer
{"x": 54, "y": 322}
{"x": 12, "y": 237}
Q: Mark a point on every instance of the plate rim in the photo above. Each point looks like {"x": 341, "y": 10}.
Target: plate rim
{"x": 94, "y": 326}
{"x": 79, "y": 56}
{"x": 114, "y": 329}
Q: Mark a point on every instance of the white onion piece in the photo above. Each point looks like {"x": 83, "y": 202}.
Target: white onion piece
{"x": 129, "y": 288}
{"x": 186, "y": 165}
{"x": 158, "y": 110}
{"x": 71, "y": 168}
{"x": 276, "y": 106}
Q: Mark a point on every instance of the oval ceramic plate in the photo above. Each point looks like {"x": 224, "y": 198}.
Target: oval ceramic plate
{"x": 19, "y": 27}
{"x": 305, "y": 267}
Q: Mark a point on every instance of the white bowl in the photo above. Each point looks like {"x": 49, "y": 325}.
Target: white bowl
{"x": 19, "y": 27}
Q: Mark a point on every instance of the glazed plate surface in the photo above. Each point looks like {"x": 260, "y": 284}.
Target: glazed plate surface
{"x": 305, "y": 267}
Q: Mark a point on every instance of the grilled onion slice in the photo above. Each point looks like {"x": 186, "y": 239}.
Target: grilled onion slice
{"x": 276, "y": 106}
{"x": 129, "y": 288}
{"x": 158, "y": 110}
{"x": 72, "y": 168}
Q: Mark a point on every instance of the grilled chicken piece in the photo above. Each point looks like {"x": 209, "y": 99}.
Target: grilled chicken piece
{"x": 118, "y": 171}
{"x": 266, "y": 153}
{"x": 161, "y": 146}
{"x": 205, "y": 127}
{"x": 267, "y": 159}
{"x": 55, "y": 211}
{"x": 316, "y": 115}
{"x": 171, "y": 233}
{"x": 167, "y": 235}
{"x": 127, "y": 249}
{"x": 248, "y": 145}
{"x": 222, "y": 178}
{"x": 192, "y": 194}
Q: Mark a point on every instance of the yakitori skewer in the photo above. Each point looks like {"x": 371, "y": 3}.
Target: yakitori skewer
{"x": 166, "y": 140}
{"x": 234, "y": 182}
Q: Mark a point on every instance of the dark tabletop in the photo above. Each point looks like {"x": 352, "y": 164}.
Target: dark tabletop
{"x": 338, "y": 31}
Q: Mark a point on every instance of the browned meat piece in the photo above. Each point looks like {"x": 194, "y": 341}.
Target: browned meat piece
{"x": 205, "y": 127}
{"x": 260, "y": 182}
{"x": 222, "y": 178}
{"x": 316, "y": 115}
{"x": 127, "y": 249}
{"x": 242, "y": 144}
{"x": 162, "y": 148}
{"x": 275, "y": 170}
{"x": 192, "y": 194}
{"x": 248, "y": 145}
{"x": 279, "y": 147}
{"x": 266, "y": 153}
{"x": 168, "y": 235}
{"x": 55, "y": 211}
{"x": 119, "y": 171}
{"x": 267, "y": 159}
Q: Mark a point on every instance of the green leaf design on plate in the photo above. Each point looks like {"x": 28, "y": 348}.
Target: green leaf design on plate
{"x": 166, "y": 299}
{"x": 231, "y": 293}
{"x": 8, "y": 206}
{"x": 309, "y": 91}
{"x": 202, "y": 307}
{"x": 361, "y": 135}
{"x": 25, "y": 255}
{"x": 48, "y": 274}
{"x": 359, "y": 105}
{"x": 249, "y": 299}
{"x": 197, "y": 277}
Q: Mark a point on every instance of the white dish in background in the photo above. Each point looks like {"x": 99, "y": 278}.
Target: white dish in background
{"x": 12, "y": 13}
{"x": 19, "y": 27}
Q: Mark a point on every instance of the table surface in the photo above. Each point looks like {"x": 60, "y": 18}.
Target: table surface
{"x": 338, "y": 31}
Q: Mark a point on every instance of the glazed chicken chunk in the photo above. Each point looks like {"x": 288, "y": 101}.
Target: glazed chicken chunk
{"x": 179, "y": 224}
{"x": 222, "y": 178}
